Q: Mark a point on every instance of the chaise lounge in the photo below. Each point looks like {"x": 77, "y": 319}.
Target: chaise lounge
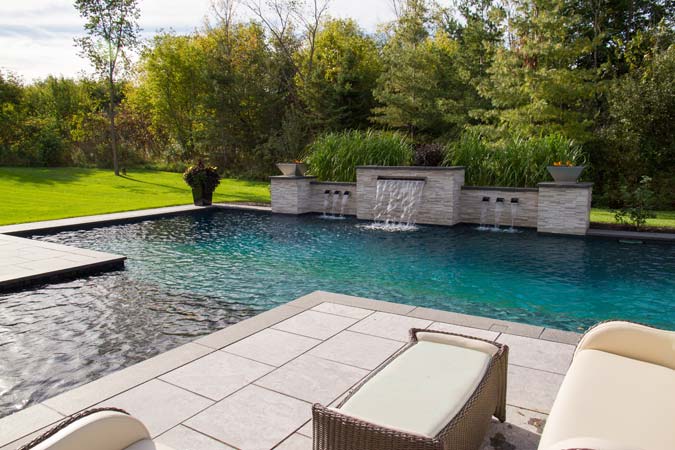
{"x": 439, "y": 392}
{"x": 97, "y": 429}
{"x": 619, "y": 392}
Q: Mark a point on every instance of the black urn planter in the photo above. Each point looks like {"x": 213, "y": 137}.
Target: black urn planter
{"x": 201, "y": 197}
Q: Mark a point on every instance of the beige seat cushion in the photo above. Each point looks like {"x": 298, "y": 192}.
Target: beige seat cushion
{"x": 422, "y": 389}
{"x": 104, "y": 430}
{"x": 618, "y": 399}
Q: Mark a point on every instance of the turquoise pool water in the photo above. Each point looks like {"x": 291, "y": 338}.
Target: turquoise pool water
{"x": 264, "y": 260}
{"x": 190, "y": 275}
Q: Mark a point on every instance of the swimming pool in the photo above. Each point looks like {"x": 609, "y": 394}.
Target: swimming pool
{"x": 190, "y": 275}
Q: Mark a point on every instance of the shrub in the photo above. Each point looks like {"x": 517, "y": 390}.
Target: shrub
{"x": 638, "y": 202}
{"x": 429, "y": 155}
{"x": 202, "y": 177}
{"x": 513, "y": 161}
{"x": 334, "y": 156}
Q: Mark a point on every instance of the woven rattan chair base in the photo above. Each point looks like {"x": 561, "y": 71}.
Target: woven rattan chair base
{"x": 466, "y": 431}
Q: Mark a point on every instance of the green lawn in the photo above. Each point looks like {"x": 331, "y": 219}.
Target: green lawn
{"x": 663, "y": 218}
{"x": 32, "y": 194}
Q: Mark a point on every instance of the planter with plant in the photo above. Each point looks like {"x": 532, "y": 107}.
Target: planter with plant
{"x": 565, "y": 172}
{"x": 203, "y": 180}
{"x": 293, "y": 169}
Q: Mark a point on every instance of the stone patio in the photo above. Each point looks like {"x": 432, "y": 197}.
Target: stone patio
{"x": 251, "y": 385}
{"x": 24, "y": 261}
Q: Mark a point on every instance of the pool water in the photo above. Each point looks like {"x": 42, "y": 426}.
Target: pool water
{"x": 189, "y": 275}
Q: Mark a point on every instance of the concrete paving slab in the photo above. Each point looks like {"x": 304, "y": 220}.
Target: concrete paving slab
{"x": 312, "y": 379}
{"x": 390, "y": 326}
{"x": 252, "y": 419}
{"x": 272, "y": 346}
{"x": 216, "y": 375}
{"x": 356, "y": 349}
{"x": 159, "y": 405}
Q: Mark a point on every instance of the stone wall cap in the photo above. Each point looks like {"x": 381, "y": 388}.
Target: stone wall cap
{"x": 292, "y": 177}
{"x": 565, "y": 185}
{"x": 410, "y": 167}
{"x": 338, "y": 183}
{"x": 498, "y": 188}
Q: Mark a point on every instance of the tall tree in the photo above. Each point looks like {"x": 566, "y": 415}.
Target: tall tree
{"x": 420, "y": 89}
{"x": 111, "y": 32}
{"x": 338, "y": 92}
{"x": 536, "y": 85}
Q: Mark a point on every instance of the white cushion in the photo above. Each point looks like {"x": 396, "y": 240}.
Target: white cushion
{"x": 422, "y": 389}
{"x": 104, "y": 430}
{"x": 614, "y": 398}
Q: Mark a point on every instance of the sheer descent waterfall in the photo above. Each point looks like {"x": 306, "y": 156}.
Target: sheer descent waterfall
{"x": 396, "y": 203}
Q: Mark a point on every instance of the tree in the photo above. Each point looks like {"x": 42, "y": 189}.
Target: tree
{"x": 420, "y": 89}
{"x": 338, "y": 92}
{"x": 172, "y": 84}
{"x": 536, "y": 86}
{"x": 111, "y": 32}
{"x": 11, "y": 115}
{"x": 639, "y": 135}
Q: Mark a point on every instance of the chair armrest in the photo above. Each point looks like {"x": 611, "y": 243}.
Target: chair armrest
{"x": 633, "y": 341}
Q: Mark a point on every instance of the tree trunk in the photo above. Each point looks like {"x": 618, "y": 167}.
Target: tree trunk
{"x": 111, "y": 118}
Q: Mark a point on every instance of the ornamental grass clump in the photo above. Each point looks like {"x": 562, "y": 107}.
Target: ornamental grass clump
{"x": 334, "y": 156}
{"x": 513, "y": 161}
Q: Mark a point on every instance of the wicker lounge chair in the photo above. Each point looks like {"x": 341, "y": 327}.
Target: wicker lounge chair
{"x": 619, "y": 392}
{"x": 438, "y": 392}
{"x": 96, "y": 429}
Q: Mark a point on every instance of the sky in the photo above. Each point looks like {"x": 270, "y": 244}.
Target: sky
{"x": 36, "y": 36}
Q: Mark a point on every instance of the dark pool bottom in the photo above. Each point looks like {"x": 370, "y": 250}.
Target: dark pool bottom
{"x": 190, "y": 275}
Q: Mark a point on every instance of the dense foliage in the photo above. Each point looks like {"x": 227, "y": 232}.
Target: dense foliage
{"x": 514, "y": 161}
{"x": 334, "y": 156}
{"x": 502, "y": 85}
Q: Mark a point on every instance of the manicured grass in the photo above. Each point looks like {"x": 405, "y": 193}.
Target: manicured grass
{"x": 663, "y": 218}
{"x": 31, "y": 194}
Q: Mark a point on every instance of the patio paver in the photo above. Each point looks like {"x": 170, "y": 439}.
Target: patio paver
{"x": 296, "y": 442}
{"x": 270, "y": 371}
{"x": 537, "y": 353}
{"x": 253, "y": 418}
{"x": 390, "y": 326}
{"x": 315, "y": 324}
{"x": 24, "y": 261}
{"x": 182, "y": 437}
{"x": 356, "y": 349}
{"x": 475, "y": 332}
{"x": 312, "y": 379}
{"x": 272, "y": 346}
{"x": 531, "y": 388}
{"x": 159, "y": 405}
{"x": 217, "y": 375}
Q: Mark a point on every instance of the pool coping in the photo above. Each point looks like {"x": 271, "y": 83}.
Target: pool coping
{"x": 18, "y": 428}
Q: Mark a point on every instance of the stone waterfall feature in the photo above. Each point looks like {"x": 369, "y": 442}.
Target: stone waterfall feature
{"x": 396, "y": 204}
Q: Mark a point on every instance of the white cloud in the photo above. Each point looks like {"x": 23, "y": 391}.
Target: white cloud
{"x": 36, "y": 36}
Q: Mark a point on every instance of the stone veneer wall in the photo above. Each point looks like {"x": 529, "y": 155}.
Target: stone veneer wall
{"x": 440, "y": 196}
{"x": 318, "y": 188}
{"x": 564, "y": 208}
{"x": 291, "y": 195}
{"x": 552, "y": 208}
{"x": 471, "y": 203}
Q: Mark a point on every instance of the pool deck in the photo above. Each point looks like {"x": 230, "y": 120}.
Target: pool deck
{"x": 24, "y": 262}
{"x": 221, "y": 390}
